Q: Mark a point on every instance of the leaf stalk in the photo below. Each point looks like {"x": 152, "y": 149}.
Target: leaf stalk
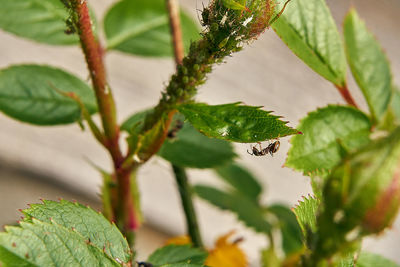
{"x": 345, "y": 93}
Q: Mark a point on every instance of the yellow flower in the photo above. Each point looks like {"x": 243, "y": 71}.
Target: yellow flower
{"x": 225, "y": 253}
{"x": 179, "y": 240}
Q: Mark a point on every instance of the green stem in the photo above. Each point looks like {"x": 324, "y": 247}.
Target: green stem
{"x": 185, "y": 192}
{"x": 271, "y": 240}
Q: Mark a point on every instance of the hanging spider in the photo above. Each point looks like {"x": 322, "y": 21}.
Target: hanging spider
{"x": 270, "y": 149}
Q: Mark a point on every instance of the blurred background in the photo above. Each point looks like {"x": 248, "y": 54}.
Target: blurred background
{"x": 53, "y": 162}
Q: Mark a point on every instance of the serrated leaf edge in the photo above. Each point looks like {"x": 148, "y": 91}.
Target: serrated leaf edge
{"x": 318, "y": 171}
{"x": 30, "y": 218}
{"x": 52, "y": 222}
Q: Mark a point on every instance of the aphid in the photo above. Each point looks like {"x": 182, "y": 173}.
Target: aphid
{"x": 172, "y": 133}
{"x": 70, "y": 27}
{"x": 144, "y": 264}
{"x": 270, "y": 149}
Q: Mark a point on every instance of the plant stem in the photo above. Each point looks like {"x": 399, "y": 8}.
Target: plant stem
{"x": 127, "y": 217}
{"x": 176, "y": 30}
{"x": 122, "y": 200}
{"x": 344, "y": 91}
{"x": 185, "y": 192}
{"x": 94, "y": 58}
{"x": 271, "y": 241}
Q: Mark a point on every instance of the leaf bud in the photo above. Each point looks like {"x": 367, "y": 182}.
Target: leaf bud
{"x": 362, "y": 194}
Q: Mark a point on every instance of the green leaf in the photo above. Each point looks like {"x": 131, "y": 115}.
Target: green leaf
{"x": 193, "y": 150}
{"x": 241, "y": 179}
{"x": 392, "y": 117}
{"x": 290, "y": 229}
{"x": 231, "y": 4}
{"x": 306, "y": 213}
{"x": 308, "y": 29}
{"x": 396, "y": 103}
{"x": 143, "y": 144}
{"x": 235, "y": 122}
{"x": 63, "y": 234}
{"x": 142, "y": 28}
{"x": 345, "y": 261}
{"x": 49, "y": 244}
{"x": 135, "y": 120}
{"x": 91, "y": 225}
{"x": 368, "y": 64}
{"x": 328, "y": 133}
{"x": 132, "y": 125}
{"x": 39, "y": 20}
{"x": 29, "y": 93}
{"x": 106, "y": 189}
{"x": 247, "y": 211}
{"x": 179, "y": 256}
{"x": 179, "y": 151}
{"x": 367, "y": 259}
{"x": 148, "y": 142}
{"x": 269, "y": 258}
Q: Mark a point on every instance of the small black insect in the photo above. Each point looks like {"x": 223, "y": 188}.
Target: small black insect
{"x": 144, "y": 264}
{"x": 172, "y": 133}
{"x": 270, "y": 149}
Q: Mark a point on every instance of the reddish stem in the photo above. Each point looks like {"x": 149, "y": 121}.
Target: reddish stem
{"x": 94, "y": 58}
{"x": 123, "y": 206}
{"x": 176, "y": 30}
{"x": 344, "y": 91}
{"x": 126, "y": 216}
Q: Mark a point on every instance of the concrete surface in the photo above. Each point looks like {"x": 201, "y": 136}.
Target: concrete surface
{"x": 265, "y": 73}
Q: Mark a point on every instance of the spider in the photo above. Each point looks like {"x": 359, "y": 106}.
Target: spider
{"x": 271, "y": 149}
